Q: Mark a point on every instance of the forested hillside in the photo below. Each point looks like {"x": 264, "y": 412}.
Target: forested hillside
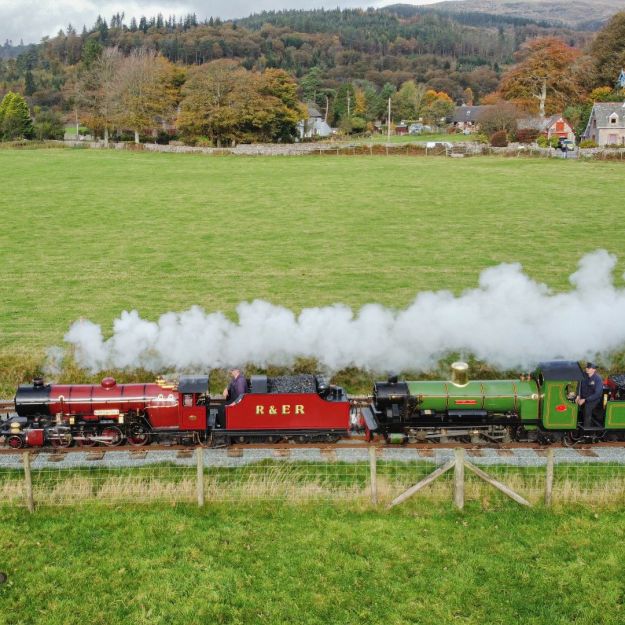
{"x": 348, "y": 62}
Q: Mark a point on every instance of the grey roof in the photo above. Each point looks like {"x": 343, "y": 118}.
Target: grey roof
{"x": 541, "y": 123}
{"x": 469, "y": 113}
{"x": 602, "y": 112}
{"x": 313, "y": 111}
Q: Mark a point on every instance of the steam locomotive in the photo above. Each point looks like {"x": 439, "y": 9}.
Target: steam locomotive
{"x": 538, "y": 407}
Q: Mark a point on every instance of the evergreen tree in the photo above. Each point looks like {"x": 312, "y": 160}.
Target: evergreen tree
{"x": 15, "y": 121}
{"x": 29, "y": 83}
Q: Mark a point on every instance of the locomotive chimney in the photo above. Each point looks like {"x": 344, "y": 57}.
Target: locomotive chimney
{"x": 459, "y": 373}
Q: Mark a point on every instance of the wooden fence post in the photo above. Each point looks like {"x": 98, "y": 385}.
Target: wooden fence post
{"x": 373, "y": 470}
{"x": 549, "y": 478}
{"x": 199, "y": 455}
{"x": 459, "y": 479}
{"x": 30, "y": 502}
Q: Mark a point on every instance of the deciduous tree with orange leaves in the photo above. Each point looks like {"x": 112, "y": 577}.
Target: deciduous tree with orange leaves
{"x": 545, "y": 78}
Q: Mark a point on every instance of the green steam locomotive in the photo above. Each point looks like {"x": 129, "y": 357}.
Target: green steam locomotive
{"x": 539, "y": 407}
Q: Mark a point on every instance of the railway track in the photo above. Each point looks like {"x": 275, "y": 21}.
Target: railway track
{"x": 347, "y": 444}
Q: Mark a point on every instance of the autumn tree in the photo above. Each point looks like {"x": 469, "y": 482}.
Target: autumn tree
{"x": 608, "y": 51}
{"x": 146, "y": 91}
{"x": 436, "y": 106}
{"x": 211, "y": 96}
{"x": 501, "y": 117}
{"x": 100, "y": 92}
{"x": 543, "y": 80}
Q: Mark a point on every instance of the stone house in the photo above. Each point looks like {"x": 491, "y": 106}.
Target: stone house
{"x": 314, "y": 125}
{"x": 606, "y": 125}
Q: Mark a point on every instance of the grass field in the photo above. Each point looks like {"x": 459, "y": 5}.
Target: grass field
{"x": 90, "y": 233}
{"x": 310, "y": 565}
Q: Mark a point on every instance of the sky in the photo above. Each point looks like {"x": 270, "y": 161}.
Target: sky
{"x": 30, "y": 20}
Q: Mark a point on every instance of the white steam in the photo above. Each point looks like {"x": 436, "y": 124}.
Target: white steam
{"x": 509, "y": 321}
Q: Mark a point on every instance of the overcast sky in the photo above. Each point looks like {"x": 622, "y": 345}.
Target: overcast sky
{"x": 31, "y": 20}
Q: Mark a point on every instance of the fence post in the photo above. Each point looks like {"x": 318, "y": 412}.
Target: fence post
{"x": 373, "y": 469}
{"x": 459, "y": 479}
{"x": 30, "y": 502}
{"x": 549, "y": 479}
{"x": 199, "y": 455}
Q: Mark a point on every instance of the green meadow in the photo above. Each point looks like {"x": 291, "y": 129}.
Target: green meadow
{"x": 275, "y": 564}
{"x": 88, "y": 233}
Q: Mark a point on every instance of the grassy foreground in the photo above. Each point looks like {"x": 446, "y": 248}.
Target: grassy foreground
{"x": 90, "y": 233}
{"x": 310, "y": 565}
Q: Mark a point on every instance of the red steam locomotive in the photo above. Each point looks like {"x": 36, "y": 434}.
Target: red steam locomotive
{"x": 303, "y": 408}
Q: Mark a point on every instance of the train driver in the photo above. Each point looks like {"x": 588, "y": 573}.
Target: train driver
{"x": 237, "y": 386}
{"x": 590, "y": 393}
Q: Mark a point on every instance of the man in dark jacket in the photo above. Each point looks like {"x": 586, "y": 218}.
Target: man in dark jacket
{"x": 237, "y": 386}
{"x": 590, "y": 393}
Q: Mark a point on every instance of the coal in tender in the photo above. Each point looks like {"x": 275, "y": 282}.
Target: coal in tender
{"x": 292, "y": 384}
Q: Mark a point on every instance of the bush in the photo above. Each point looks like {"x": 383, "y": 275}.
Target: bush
{"x": 482, "y": 138}
{"x": 553, "y": 142}
{"x": 588, "y": 143}
{"x": 527, "y": 135}
{"x": 48, "y": 125}
{"x": 542, "y": 141}
{"x": 499, "y": 139}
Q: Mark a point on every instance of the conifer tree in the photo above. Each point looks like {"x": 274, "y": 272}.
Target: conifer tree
{"x": 15, "y": 121}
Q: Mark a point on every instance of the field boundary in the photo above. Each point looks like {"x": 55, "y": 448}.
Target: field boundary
{"x": 370, "y": 478}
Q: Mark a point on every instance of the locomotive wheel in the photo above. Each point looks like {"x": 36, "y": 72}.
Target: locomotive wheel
{"x": 138, "y": 437}
{"x": 15, "y": 442}
{"x": 114, "y": 434}
{"x": 571, "y": 438}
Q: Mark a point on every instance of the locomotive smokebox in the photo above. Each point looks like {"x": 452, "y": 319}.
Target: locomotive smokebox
{"x": 459, "y": 374}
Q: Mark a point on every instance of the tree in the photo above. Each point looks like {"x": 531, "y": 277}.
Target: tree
{"x": 543, "y": 80}
{"x": 15, "y": 121}
{"x": 436, "y": 106}
{"x": 48, "y": 125}
{"x": 101, "y": 93}
{"x": 608, "y": 51}
{"x": 408, "y": 100}
{"x": 212, "y": 95}
{"x": 147, "y": 95}
{"x": 500, "y": 117}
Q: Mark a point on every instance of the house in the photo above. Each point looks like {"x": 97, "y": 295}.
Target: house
{"x": 401, "y": 128}
{"x": 467, "y": 118}
{"x": 314, "y": 126}
{"x": 554, "y": 126}
{"x": 606, "y": 125}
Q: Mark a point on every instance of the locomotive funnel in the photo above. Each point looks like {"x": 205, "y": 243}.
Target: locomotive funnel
{"x": 459, "y": 373}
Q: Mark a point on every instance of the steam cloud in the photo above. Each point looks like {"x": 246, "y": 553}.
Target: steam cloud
{"x": 509, "y": 321}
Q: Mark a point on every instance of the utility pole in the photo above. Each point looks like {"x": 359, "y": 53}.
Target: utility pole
{"x": 349, "y": 103}
{"x": 388, "y": 125}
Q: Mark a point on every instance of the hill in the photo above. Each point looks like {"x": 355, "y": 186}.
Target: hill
{"x": 582, "y": 14}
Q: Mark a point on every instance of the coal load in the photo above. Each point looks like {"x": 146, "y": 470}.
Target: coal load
{"x": 292, "y": 384}
{"x": 619, "y": 381}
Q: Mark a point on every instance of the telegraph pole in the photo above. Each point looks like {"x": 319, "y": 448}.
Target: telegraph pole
{"x": 388, "y": 125}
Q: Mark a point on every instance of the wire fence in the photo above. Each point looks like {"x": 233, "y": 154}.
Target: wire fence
{"x": 203, "y": 477}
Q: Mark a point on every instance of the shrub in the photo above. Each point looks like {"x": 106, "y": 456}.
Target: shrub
{"x": 526, "y": 135}
{"x": 588, "y": 143}
{"x": 542, "y": 141}
{"x": 499, "y": 139}
{"x": 553, "y": 142}
{"x": 482, "y": 138}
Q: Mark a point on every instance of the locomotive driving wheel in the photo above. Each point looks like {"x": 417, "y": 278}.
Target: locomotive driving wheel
{"x": 112, "y": 436}
{"x": 138, "y": 436}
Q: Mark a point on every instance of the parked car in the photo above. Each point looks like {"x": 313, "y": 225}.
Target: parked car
{"x": 417, "y": 129}
{"x": 566, "y": 145}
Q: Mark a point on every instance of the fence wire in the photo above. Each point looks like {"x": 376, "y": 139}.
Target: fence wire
{"x": 118, "y": 478}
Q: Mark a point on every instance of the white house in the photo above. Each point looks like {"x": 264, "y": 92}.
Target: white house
{"x": 606, "y": 125}
{"x": 314, "y": 126}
